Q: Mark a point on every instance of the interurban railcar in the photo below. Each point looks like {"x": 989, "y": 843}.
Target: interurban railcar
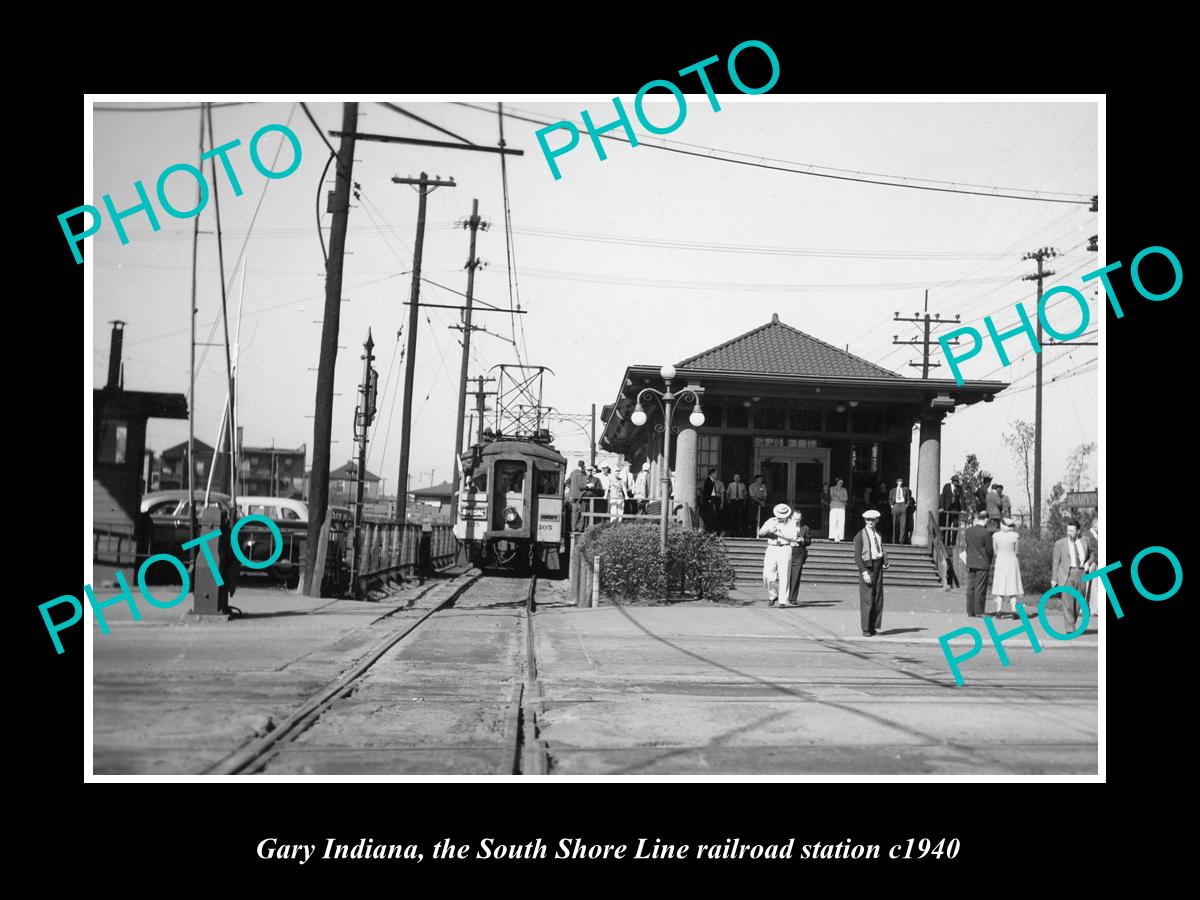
{"x": 510, "y": 507}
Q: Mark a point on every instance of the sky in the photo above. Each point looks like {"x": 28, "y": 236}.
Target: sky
{"x": 600, "y": 288}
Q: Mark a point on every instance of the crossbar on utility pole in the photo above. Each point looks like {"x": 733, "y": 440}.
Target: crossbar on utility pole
{"x": 318, "y": 497}
{"x": 927, "y": 342}
{"x": 425, "y": 186}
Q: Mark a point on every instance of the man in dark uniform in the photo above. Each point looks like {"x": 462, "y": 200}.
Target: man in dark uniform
{"x": 576, "y": 482}
{"x": 871, "y": 560}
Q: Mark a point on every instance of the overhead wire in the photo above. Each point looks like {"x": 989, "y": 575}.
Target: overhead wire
{"x": 762, "y": 165}
{"x": 246, "y": 240}
{"x": 508, "y": 249}
{"x": 813, "y": 165}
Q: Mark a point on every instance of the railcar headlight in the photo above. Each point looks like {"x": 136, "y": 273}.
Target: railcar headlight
{"x": 512, "y": 518}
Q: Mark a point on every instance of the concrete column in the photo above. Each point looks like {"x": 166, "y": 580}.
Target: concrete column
{"x": 656, "y": 469}
{"x": 929, "y": 479}
{"x": 685, "y": 474}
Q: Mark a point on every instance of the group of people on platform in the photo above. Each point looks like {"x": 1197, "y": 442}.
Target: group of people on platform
{"x": 898, "y": 500}
{"x": 993, "y": 568}
{"x": 990, "y": 499}
{"x": 611, "y": 494}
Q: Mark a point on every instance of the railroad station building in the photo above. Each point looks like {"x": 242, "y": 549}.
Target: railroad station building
{"x": 801, "y": 412}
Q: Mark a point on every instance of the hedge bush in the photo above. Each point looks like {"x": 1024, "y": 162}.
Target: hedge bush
{"x": 1034, "y": 556}
{"x": 633, "y": 567}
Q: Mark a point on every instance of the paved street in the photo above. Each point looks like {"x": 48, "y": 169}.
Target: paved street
{"x": 682, "y": 689}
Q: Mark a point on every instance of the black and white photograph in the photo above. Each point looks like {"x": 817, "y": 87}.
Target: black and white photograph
{"x": 700, "y": 433}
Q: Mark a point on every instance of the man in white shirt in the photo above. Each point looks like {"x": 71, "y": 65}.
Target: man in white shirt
{"x": 641, "y": 482}
{"x": 871, "y": 560}
{"x": 780, "y": 533}
{"x": 1071, "y": 560}
{"x": 837, "y": 511}
{"x": 898, "y": 500}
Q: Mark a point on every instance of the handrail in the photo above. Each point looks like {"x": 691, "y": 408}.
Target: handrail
{"x": 941, "y": 558}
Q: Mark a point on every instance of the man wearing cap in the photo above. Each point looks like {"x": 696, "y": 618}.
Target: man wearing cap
{"x": 871, "y": 560}
{"x": 780, "y": 534}
{"x": 576, "y": 483}
{"x": 594, "y": 492}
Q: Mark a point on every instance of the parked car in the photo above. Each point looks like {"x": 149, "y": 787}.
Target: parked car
{"x": 257, "y": 543}
{"x": 170, "y": 528}
{"x": 169, "y": 513}
{"x": 280, "y": 508}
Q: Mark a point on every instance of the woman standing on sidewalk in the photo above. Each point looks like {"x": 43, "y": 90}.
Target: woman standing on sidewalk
{"x": 1006, "y": 582}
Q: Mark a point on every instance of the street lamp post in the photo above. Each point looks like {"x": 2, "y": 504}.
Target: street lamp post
{"x": 665, "y": 399}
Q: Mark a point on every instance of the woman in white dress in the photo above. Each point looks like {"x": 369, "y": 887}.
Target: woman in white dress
{"x": 1006, "y": 582}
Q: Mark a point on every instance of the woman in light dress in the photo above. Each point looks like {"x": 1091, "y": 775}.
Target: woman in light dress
{"x": 1006, "y": 582}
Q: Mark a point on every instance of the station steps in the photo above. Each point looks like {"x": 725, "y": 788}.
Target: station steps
{"x": 832, "y": 562}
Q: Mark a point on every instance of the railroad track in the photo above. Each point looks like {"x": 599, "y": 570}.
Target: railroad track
{"x": 524, "y": 753}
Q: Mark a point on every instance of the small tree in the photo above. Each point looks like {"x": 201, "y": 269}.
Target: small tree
{"x": 1021, "y": 442}
{"x": 971, "y": 478}
{"x": 1057, "y": 513}
{"x": 1078, "y": 464}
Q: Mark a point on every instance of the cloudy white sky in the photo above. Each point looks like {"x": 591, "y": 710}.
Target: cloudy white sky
{"x": 599, "y": 264}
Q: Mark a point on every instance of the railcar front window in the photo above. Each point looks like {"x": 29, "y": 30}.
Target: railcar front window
{"x": 548, "y": 482}
{"x": 508, "y": 500}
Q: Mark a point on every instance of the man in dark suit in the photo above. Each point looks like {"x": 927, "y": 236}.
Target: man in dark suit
{"x": 707, "y": 509}
{"x": 978, "y": 541}
{"x": 871, "y": 560}
{"x": 576, "y": 482}
{"x": 799, "y": 556}
{"x": 981, "y": 493}
{"x": 898, "y": 498}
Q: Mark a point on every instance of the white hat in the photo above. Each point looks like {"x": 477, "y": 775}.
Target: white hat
{"x": 646, "y": 466}
{"x": 871, "y": 514}
{"x": 782, "y": 510}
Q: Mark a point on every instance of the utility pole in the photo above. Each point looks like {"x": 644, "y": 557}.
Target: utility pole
{"x": 593, "y": 436}
{"x": 318, "y": 497}
{"x": 364, "y": 415}
{"x": 474, "y": 223}
{"x": 425, "y": 186}
{"x": 1040, "y": 255}
{"x": 926, "y": 342}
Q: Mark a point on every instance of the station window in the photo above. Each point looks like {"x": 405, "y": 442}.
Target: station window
{"x": 806, "y": 420}
{"x": 708, "y": 456}
{"x": 737, "y": 416}
{"x": 864, "y": 457}
{"x": 769, "y": 418}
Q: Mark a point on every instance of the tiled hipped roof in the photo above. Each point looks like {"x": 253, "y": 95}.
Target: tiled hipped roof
{"x": 778, "y": 349}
